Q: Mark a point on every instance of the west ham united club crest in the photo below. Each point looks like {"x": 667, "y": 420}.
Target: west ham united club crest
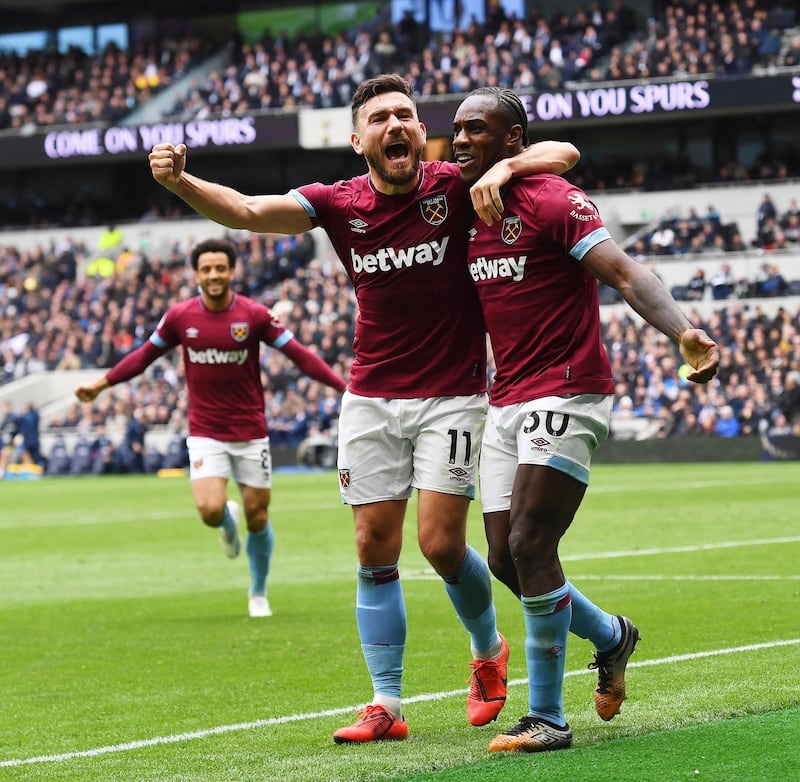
{"x": 239, "y": 331}
{"x": 344, "y": 479}
{"x": 511, "y": 229}
{"x": 434, "y": 209}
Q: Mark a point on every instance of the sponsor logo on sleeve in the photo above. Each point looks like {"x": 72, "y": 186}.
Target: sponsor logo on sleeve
{"x": 582, "y": 208}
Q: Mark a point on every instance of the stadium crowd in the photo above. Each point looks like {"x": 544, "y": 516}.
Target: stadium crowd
{"x": 592, "y": 44}
{"x": 595, "y": 43}
{"x": 695, "y": 234}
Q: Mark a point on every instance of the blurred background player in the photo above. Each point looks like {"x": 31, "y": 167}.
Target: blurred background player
{"x": 220, "y": 332}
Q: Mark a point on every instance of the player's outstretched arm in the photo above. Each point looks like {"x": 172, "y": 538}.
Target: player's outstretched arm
{"x": 310, "y": 364}
{"x": 224, "y": 205}
{"x": 646, "y": 294}
{"x": 128, "y": 367}
{"x": 544, "y": 157}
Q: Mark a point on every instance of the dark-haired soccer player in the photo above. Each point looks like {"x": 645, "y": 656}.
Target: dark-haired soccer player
{"x": 413, "y": 415}
{"x": 220, "y": 333}
{"x": 536, "y": 272}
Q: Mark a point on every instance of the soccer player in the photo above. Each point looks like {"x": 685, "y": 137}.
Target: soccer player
{"x": 413, "y": 415}
{"x": 536, "y": 273}
{"x": 220, "y": 333}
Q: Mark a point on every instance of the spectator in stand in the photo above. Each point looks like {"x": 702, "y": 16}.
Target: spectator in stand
{"x": 791, "y": 230}
{"x": 722, "y": 283}
{"x": 766, "y": 211}
{"x": 788, "y": 401}
{"x": 696, "y": 287}
{"x": 767, "y": 234}
{"x": 727, "y": 425}
{"x": 769, "y": 281}
{"x": 662, "y": 239}
{"x": 103, "y": 452}
{"x": 712, "y": 217}
{"x": 28, "y": 427}
{"x": 14, "y": 452}
{"x": 793, "y": 210}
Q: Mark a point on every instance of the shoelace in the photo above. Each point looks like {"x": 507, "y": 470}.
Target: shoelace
{"x": 603, "y": 674}
{"x": 478, "y": 665}
{"x": 523, "y": 726}
{"x": 376, "y": 716}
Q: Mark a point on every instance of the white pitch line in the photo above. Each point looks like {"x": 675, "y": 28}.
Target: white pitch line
{"x": 433, "y": 696}
{"x": 429, "y": 574}
{"x": 679, "y": 549}
{"x": 574, "y": 577}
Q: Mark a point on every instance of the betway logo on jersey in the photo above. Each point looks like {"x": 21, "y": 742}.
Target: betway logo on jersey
{"x": 214, "y": 356}
{"x": 388, "y": 258}
{"x": 498, "y": 268}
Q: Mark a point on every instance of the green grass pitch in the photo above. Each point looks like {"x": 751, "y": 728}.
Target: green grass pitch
{"x": 126, "y": 653}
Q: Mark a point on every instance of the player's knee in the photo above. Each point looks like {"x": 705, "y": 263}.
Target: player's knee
{"x": 444, "y": 554}
{"x": 257, "y": 520}
{"x": 535, "y": 545}
{"x": 211, "y": 514}
{"x": 502, "y": 568}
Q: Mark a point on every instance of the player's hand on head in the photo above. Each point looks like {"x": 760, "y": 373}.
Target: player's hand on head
{"x": 167, "y": 163}
{"x": 701, "y": 353}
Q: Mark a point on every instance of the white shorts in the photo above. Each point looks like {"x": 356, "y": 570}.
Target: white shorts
{"x": 248, "y": 462}
{"x": 388, "y": 447}
{"x": 561, "y": 432}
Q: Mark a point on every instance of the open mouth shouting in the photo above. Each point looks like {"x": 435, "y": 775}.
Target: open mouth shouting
{"x": 397, "y": 153}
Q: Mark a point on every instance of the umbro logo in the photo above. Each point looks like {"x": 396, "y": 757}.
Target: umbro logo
{"x": 191, "y": 333}
{"x": 540, "y": 442}
{"x": 358, "y": 225}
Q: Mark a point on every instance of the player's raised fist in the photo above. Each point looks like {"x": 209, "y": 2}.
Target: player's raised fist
{"x": 167, "y": 163}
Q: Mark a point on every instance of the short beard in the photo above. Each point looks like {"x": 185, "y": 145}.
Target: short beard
{"x": 397, "y": 176}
